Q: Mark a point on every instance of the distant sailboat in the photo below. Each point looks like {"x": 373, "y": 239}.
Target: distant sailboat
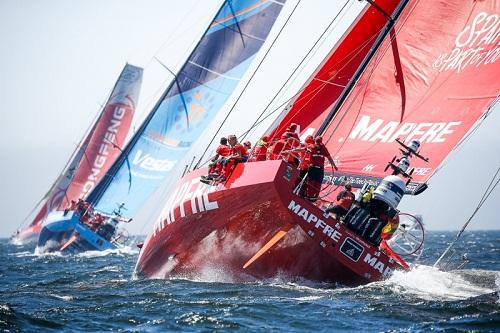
{"x": 94, "y": 155}
{"x": 188, "y": 105}
{"x": 430, "y": 75}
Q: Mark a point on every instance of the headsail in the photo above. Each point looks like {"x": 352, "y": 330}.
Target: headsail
{"x": 190, "y": 102}
{"x": 95, "y": 154}
{"x": 431, "y": 81}
{"x": 311, "y": 106}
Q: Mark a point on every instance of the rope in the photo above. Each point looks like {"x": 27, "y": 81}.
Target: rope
{"x": 247, "y": 84}
{"x": 491, "y": 186}
{"x": 296, "y": 69}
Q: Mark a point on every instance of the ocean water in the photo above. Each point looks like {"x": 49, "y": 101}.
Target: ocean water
{"x": 95, "y": 292}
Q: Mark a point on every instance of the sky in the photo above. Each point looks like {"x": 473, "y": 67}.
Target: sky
{"x": 60, "y": 59}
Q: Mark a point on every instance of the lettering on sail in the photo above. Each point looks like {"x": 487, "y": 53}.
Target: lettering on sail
{"x": 107, "y": 143}
{"x": 191, "y": 196}
{"x": 147, "y": 162}
{"x": 475, "y": 45}
{"x": 380, "y": 130}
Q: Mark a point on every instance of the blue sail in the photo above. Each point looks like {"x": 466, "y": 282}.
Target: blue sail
{"x": 191, "y": 101}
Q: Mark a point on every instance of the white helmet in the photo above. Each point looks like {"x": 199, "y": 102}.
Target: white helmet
{"x": 414, "y": 145}
{"x": 390, "y": 190}
{"x": 404, "y": 163}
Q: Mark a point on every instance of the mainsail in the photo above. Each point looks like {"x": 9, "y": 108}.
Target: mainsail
{"x": 201, "y": 87}
{"x": 311, "y": 106}
{"x": 99, "y": 148}
{"x": 431, "y": 80}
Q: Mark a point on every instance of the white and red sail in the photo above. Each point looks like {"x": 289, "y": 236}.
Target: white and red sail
{"x": 97, "y": 151}
{"x": 432, "y": 80}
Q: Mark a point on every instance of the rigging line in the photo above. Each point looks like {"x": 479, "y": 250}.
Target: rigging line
{"x": 247, "y": 84}
{"x": 236, "y": 22}
{"x": 377, "y": 59}
{"x": 297, "y": 67}
{"x": 351, "y": 54}
{"x": 180, "y": 91}
{"x": 172, "y": 34}
{"x": 485, "y": 196}
{"x": 310, "y": 95}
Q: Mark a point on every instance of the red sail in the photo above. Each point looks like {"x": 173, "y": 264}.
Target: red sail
{"x": 315, "y": 100}
{"x": 432, "y": 83}
{"x": 99, "y": 148}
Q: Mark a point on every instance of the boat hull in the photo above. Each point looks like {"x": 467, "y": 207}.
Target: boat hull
{"x": 27, "y": 235}
{"x": 221, "y": 227}
{"x": 65, "y": 233}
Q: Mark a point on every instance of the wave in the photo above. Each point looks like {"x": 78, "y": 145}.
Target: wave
{"x": 429, "y": 283}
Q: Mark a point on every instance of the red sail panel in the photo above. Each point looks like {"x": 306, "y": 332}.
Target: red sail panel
{"x": 316, "y": 98}
{"x": 96, "y": 153}
{"x": 433, "y": 83}
{"x": 108, "y": 138}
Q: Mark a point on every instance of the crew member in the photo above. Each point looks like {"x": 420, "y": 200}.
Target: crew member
{"x": 316, "y": 171}
{"x": 248, "y": 149}
{"x": 215, "y": 167}
{"x": 260, "y": 150}
{"x": 237, "y": 155}
{"x": 305, "y": 161}
{"x": 289, "y": 140}
{"x": 391, "y": 226}
{"x": 344, "y": 202}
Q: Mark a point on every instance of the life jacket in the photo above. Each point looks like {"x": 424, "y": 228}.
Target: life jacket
{"x": 346, "y": 199}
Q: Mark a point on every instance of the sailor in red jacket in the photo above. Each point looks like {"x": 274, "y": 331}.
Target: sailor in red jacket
{"x": 260, "y": 150}
{"x": 316, "y": 171}
{"x": 305, "y": 161}
{"x": 345, "y": 199}
{"x": 238, "y": 152}
{"x": 215, "y": 167}
{"x": 281, "y": 148}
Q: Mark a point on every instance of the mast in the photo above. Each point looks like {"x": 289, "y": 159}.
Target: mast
{"x": 347, "y": 90}
{"x": 101, "y": 187}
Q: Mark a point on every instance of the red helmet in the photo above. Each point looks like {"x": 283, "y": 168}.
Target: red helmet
{"x": 265, "y": 138}
{"x": 309, "y": 139}
{"x": 293, "y": 127}
{"x": 318, "y": 139}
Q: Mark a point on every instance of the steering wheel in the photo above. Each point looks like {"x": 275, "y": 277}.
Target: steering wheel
{"x": 408, "y": 239}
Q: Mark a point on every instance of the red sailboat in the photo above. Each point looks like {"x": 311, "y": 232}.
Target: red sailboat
{"x": 428, "y": 77}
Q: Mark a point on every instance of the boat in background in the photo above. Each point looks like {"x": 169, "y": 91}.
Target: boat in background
{"x": 430, "y": 75}
{"x": 188, "y": 105}
{"x": 94, "y": 155}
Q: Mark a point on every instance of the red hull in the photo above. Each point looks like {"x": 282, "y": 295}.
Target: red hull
{"x": 224, "y": 228}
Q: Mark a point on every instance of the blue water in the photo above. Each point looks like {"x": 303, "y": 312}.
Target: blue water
{"x": 95, "y": 292}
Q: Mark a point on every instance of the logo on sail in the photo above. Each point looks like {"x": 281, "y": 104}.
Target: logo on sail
{"x": 475, "y": 45}
{"x": 147, "y": 162}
